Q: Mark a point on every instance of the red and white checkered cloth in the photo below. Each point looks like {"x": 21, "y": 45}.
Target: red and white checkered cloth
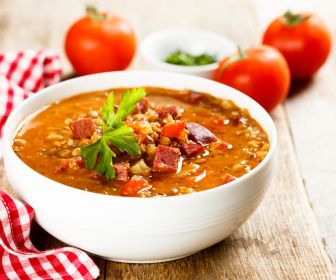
{"x": 19, "y": 258}
{"x": 22, "y": 74}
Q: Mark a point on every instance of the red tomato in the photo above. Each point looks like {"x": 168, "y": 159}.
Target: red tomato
{"x": 132, "y": 187}
{"x": 302, "y": 39}
{"x": 99, "y": 42}
{"x": 262, "y": 73}
{"x": 173, "y": 130}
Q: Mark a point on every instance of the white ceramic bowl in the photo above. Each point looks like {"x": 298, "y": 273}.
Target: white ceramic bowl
{"x": 157, "y": 46}
{"x": 138, "y": 229}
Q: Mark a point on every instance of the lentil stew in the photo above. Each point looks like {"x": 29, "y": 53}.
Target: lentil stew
{"x": 188, "y": 142}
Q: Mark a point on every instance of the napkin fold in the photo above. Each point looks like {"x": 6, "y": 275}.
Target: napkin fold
{"x": 19, "y": 259}
{"x": 21, "y": 74}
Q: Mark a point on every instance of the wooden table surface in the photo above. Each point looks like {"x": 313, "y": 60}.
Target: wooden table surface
{"x": 293, "y": 233}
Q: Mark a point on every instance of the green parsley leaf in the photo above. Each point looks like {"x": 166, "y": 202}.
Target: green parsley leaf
{"x": 123, "y": 138}
{"x": 105, "y": 164}
{"x": 99, "y": 148}
{"x": 90, "y": 153}
{"x": 108, "y": 113}
{"x": 115, "y": 132}
{"x": 127, "y": 104}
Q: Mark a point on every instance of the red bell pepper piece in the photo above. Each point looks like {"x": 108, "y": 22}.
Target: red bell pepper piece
{"x": 173, "y": 130}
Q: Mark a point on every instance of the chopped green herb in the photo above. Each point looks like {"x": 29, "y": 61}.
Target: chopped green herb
{"x": 186, "y": 59}
{"x": 115, "y": 132}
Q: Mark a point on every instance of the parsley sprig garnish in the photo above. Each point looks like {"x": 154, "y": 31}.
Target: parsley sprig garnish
{"x": 115, "y": 132}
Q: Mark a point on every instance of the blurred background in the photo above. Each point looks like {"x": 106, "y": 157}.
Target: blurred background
{"x": 243, "y": 21}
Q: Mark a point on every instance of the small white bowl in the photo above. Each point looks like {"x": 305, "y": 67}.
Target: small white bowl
{"x": 155, "y": 48}
{"x": 134, "y": 229}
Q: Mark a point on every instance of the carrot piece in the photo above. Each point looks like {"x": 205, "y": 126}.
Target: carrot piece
{"x": 132, "y": 187}
{"x": 172, "y": 130}
{"x": 141, "y": 136}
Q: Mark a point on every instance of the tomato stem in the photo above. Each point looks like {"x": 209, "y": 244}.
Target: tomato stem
{"x": 93, "y": 13}
{"x": 241, "y": 52}
{"x": 292, "y": 19}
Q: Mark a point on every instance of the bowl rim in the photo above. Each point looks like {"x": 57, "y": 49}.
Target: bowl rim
{"x": 9, "y": 125}
{"x": 145, "y": 47}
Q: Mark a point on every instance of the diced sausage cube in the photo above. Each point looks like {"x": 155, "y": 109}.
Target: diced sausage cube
{"x": 192, "y": 149}
{"x": 122, "y": 171}
{"x": 82, "y": 128}
{"x": 201, "y": 134}
{"x": 166, "y": 159}
{"x": 141, "y": 106}
{"x": 165, "y": 111}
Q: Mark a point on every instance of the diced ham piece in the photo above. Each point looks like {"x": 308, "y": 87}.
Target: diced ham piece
{"x": 192, "y": 149}
{"x": 200, "y": 134}
{"x": 165, "y": 111}
{"x": 121, "y": 170}
{"x": 228, "y": 178}
{"x": 141, "y": 106}
{"x": 82, "y": 128}
{"x": 166, "y": 159}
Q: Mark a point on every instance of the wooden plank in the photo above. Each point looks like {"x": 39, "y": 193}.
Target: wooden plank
{"x": 311, "y": 112}
{"x": 281, "y": 240}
